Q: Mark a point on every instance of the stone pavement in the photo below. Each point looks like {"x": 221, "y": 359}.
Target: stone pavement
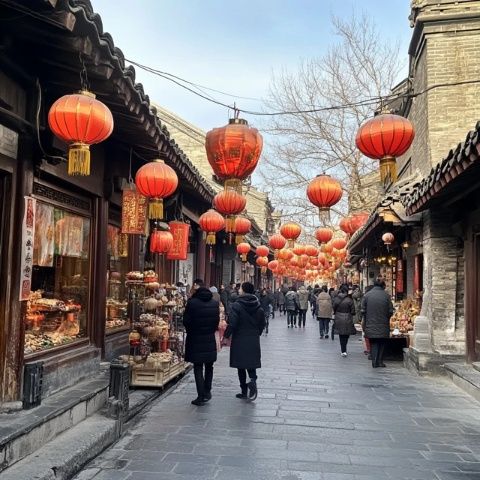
{"x": 318, "y": 416}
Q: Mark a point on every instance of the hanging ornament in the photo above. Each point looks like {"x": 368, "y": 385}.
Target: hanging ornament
{"x": 383, "y": 138}
{"x": 242, "y": 250}
{"x": 388, "y": 238}
{"x": 242, "y": 227}
{"x": 346, "y": 225}
{"x": 324, "y": 192}
{"x": 277, "y": 242}
{"x": 229, "y": 203}
{"x": 339, "y": 243}
{"x": 134, "y": 211}
{"x": 161, "y": 241}
{"x": 291, "y": 231}
{"x": 358, "y": 220}
{"x": 311, "y": 251}
{"x": 298, "y": 249}
{"x": 285, "y": 254}
{"x": 262, "y": 251}
{"x": 211, "y": 222}
{"x": 273, "y": 265}
{"x": 156, "y": 181}
{"x": 80, "y": 121}
{"x": 262, "y": 262}
{"x": 323, "y": 235}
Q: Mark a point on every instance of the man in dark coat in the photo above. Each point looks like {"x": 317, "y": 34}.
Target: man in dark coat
{"x": 377, "y": 308}
{"x": 246, "y": 321}
{"x": 344, "y": 310}
{"x": 201, "y": 318}
{"x": 266, "y": 302}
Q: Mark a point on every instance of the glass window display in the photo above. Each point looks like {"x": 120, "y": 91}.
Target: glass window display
{"x": 117, "y": 267}
{"x": 58, "y": 305}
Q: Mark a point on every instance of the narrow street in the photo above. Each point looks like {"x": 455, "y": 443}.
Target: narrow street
{"x": 318, "y": 416}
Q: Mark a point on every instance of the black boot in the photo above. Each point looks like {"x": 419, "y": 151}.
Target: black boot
{"x": 242, "y": 395}
{"x": 252, "y": 390}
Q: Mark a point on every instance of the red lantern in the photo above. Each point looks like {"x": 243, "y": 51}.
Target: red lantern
{"x": 291, "y": 231}
{"x": 262, "y": 251}
{"x": 299, "y": 249}
{"x": 161, "y": 241}
{"x": 311, "y": 251}
{"x": 156, "y": 180}
{"x": 242, "y": 227}
{"x": 346, "y": 225}
{"x": 242, "y": 250}
{"x": 233, "y": 151}
{"x": 262, "y": 262}
{"x": 339, "y": 243}
{"x": 277, "y": 242}
{"x": 273, "y": 265}
{"x": 294, "y": 262}
{"x": 211, "y": 222}
{"x": 285, "y": 254}
{"x": 388, "y": 238}
{"x": 229, "y": 203}
{"x": 324, "y": 192}
{"x": 359, "y": 220}
{"x": 80, "y": 121}
{"x": 383, "y": 138}
{"x": 323, "y": 235}
{"x": 327, "y": 248}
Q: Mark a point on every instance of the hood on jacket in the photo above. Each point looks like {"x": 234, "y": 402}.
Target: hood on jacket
{"x": 342, "y": 295}
{"x": 203, "y": 294}
{"x": 249, "y": 302}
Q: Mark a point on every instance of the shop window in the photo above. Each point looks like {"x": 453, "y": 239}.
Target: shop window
{"x": 57, "y": 309}
{"x": 117, "y": 267}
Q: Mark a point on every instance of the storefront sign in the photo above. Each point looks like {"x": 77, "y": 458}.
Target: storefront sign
{"x": 399, "y": 284}
{"x": 28, "y": 235}
{"x": 180, "y": 231}
{"x": 134, "y": 212}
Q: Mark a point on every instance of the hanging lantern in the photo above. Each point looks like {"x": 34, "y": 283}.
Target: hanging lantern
{"x": 156, "y": 180}
{"x": 233, "y": 152}
{"x": 383, "y": 138}
{"x": 161, "y": 241}
{"x": 339, "y": 243}
{"x": 273, "y": 265}
{"x": 311, "y": 251}
{"x": 242, "y": 250}
{"x": 211, "y": 222}
{"x": 262, "y": 262}
{"x": 388, "y": 238}
{"x": 324, "y": 192}
{"x": 80, "y": 121}
{"x": 346, "y": 225}
{"x": 242, "y": 227}
{"x": 285, "y": 254}
{"x": 230, "y": 204}
{"x": 294, "y": 262}
{"x": 323, "y": 235}
{"x": 299, "y": 249}
{"x": 358, "y": 220}
{"x": 291, "y": 231}
{"x": 327, "y": 248}
{"x": 277, "y": 242}
{"x": 262, "y": 251}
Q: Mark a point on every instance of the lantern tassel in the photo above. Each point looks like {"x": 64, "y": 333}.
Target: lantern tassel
{"x": 230, "y": 223}
{"x": 233, "y": 184}
{"x": 210, "y": 238}
{"x": 79, "y": 159}
{"x": 155, "y": 209}
{"x": 238, "y": 239}
{"x": 388, "y": 170}
{"x": 291, "y": 243}
{"x": 324, "y": 215}
{"x": 244, "y": 257}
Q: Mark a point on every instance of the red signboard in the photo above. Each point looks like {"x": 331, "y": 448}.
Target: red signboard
{"x": 134, "y": 212}
{"x": 399, "y": 283}
{"x": 180, "y": 231}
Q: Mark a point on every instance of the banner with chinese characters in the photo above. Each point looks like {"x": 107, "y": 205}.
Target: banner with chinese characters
{"x": 179, "y": 231}
{"x": 399, "y": 284}
{"x": 134, "y": 212}
{"x": 28, "y": 236}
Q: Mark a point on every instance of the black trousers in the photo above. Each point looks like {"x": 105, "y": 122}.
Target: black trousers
{"x": 203, "y": 381}
{"x": 343, "y": 342}
{"x": 291, "y": 317}
{"x": 302, "y": 317}
{"x": 242, "y": 376}
{"x": 377, "y": 350}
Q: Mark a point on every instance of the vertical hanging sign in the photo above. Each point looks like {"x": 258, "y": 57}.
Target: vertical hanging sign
{"x": 134, "y": 212}
{"x": 28, "y": 235}
{"x": 179, "y": 231}
{"x": 399, "y": 284}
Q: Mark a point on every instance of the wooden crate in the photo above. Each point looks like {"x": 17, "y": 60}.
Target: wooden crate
{"x": 148, "y": 377}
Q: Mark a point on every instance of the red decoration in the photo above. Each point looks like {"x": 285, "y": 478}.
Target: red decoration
{"x": 161, "y": 241}
{"x": 262, "y": 262}
{"x": 156, "y": 180}
{"x": 324, "y": 192}
{"x": 273, "y": 265}
{"x": 242, "y": 227}
{"x": 134, "y": 212}
{"x": 211, "y": 222}
{"x": 339, "y": 243}
{"x": 346, "y": 225}
{"x": 233, "y": 151}
{"x": 327, "y": 248}
{"x": 80, "y": 121}
{"x": 299, "y": 249}
{"x": 262, "y": 251}
{"x": 285, "y": 254}
{"x": 388, "y": 238}
{"x": 400, "y": 276}
{"x": 311, "y": 251}
{"x": 323, "y": 235}
{"x": 277, "y": 242}
{"x": 242, "y": 250}
{"x": 291, "y": 231}
{"x": 383, "y": 138}
{"x": 179, "y": 231}
{"x": 229, "y": 203}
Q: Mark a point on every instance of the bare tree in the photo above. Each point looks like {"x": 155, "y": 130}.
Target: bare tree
{"x": 354, "y": 72}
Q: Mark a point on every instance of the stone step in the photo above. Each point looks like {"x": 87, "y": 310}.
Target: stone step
{"x": 61, "y": 458}
{"x": 466, "y": 377}
{"x": 23, "y": 432}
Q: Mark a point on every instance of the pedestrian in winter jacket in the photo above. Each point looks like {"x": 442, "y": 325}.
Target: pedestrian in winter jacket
{"x": 291, "y": 306}
{"x": 246, "y": 321}
{"x": 302, "y": 305}
{"x": 344, "y": 311}
{"x": 201, "y": 318}
{"x": 324, "y": 311}
{"x": 280, "y": 300}
{"x": 377, "y": 308}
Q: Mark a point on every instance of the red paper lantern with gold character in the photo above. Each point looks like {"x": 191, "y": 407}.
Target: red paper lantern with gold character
{"x": 383, "y": 138}
{"x": 156, "y": 180}
{"x": 211, "y": 222}
{"x": 324, "y": 192}
{"x": 262, "y": 251}
{"x": 233, "y": 151}
{"x": 229, "y": 203}
{"x": 323, "y": 235}
{"x": 161, "y": 241}
{"x": 80, "y": 120}
{"x": 291, "y": 231}
{"x": 242, "y": 227}
{"x": 243, "y": 249}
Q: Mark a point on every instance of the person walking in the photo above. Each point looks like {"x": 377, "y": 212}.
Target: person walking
{"x": 313, "y": 299}
{"x": 280, "y": 300}
{"x": 324, "y": 311}
{"x": 291, "y": 306}
{"x": 302, "y": 306}
{"x": 333, "y": 293}
{"x": 246, "y": 321}
{"x": 266, "y": 302}
{"x": 215, "y": 295}
{"x": 344, "y": 311}
{"x": 201, "y": 318}
{"x": 377, "y": 308}
{"x": 357, "y": 300}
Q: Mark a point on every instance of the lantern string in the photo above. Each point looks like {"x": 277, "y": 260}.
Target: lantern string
{"x": 85, "y": 85}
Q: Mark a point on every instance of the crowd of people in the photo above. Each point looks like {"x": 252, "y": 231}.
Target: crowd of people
{"x": 242, "y": 314}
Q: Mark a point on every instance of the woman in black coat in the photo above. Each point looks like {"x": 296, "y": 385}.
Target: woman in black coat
{"x": 344, "y": 311}
{"x": 201, "y": 318}
{"x": 246, "y": 321}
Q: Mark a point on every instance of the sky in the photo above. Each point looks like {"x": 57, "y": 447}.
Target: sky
{"x": 231, "y": 46}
